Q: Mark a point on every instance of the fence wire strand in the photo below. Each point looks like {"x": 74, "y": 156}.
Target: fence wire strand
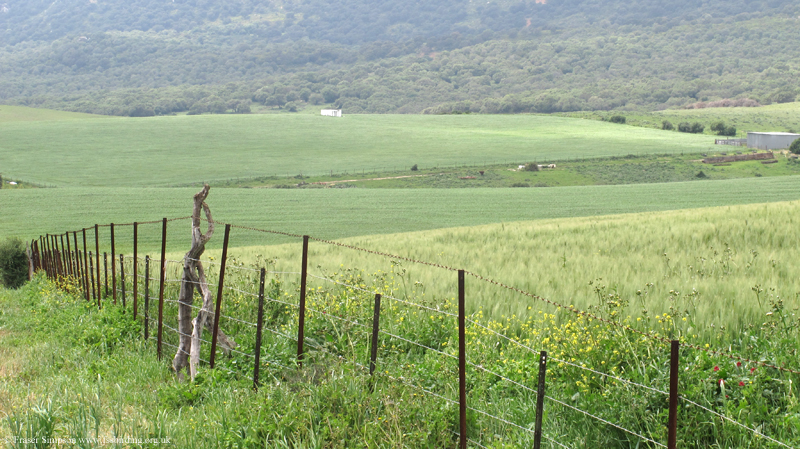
{"x": 564, "y": 404}
{"x": 756, "y": 432}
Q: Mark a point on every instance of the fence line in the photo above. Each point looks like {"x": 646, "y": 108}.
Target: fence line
{"x": 58, "y": 262}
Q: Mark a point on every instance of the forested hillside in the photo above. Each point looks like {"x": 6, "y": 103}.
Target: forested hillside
{"x": 145, "y": 57}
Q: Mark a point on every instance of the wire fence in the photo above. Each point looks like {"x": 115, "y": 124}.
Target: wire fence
{"x": 341, "y": 313}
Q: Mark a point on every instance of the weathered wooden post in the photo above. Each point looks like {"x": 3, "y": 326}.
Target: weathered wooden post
{"x": 301, "y": 321}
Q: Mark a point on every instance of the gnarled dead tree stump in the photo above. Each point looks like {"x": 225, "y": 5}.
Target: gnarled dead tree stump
{"x": 194, "y": 278}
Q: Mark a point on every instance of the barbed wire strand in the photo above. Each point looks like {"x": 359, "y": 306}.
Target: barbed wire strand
{"x": 384, "y": 295}
{"x": 756, "y": 432}
{"x": 514, "y": 425}
{"x": 603, "y": 420}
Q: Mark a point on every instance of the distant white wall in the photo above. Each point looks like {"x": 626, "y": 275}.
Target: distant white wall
{"x": 332, "y": 112}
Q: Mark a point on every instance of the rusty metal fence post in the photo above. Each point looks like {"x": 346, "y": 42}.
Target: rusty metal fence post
{"x": 672, "y": 426}
{"x": 105, "y": 272}
{"x": 161, "y": 286}
{"x": 135, "y": 281}
{"x": 376, "y": 317}
{"x": 91, "y": 273}
{"x": 97, "y": 256}
{"x": 259, "y": 324}
{"x": 220, "y": 287}
{"x": 113, "y": 265}
{"x": 462, "y": 362}
{"x": 122, "y": 278}
{"x": 146, "y": 297}
{"x": 301, "y": 321}
{"x": 537, "y": 432}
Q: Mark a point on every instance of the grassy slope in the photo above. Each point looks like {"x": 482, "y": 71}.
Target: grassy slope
{"x": 338, "y": 213}
{"x": 783, "y": 117}
{"x": 25, "y": 114}
{"x": 166, "y": 151}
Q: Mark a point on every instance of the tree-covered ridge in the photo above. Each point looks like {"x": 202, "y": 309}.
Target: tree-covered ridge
{"x": 353, "y": 21}
{"x": 541, "y": 71}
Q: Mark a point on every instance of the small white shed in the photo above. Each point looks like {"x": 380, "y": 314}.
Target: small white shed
{"x": 332, "y": 112}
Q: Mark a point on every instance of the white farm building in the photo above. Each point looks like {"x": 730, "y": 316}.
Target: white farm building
{"x": 770, "y": 141}
{"x": 332, "y": 112}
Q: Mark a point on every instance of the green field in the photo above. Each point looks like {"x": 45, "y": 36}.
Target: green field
{"x": 784, "y": 117}
{"x": 25, "y": 114}
{"x": 338, "y": 213}
{"x": 168, "y": 151}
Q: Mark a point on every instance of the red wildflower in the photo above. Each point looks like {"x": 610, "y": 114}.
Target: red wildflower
{"x": 741, "y": 384}
{"x": 752, "y": 369}
{"x": 738, "y": 364}
{"x": 716, "y": 368}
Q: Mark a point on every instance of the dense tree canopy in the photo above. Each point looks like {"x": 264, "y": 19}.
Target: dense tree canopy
{"x": 145, "y": 57}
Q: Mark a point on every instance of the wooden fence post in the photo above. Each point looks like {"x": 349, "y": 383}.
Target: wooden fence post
{"x": 259, "y": 324}
{"x": 161, "y": 285}
{"x": 537, "y": 432}
{"x": 462, "y": 362}
{"x": 672, "y": 426}
{"x": 220, "y": 287}
{"x": 70, "y": 259}
{"x": 301, "y": 322}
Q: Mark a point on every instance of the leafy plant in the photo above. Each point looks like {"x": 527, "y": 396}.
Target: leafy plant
{"x": 13, "y": 263}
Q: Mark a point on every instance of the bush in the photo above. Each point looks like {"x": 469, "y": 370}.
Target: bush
{"x": 617, "y": 119}
{"x": 722, "y": 130}
{"x": 667, "y": 125}
{"x": 531, "y": 166}
{"x": 694, "y": 128}
{"x": 414, "y": 167}
{"x": 795, "y": 146}
{"x": 520, "y": 184}
{"x": 13, "y": 263}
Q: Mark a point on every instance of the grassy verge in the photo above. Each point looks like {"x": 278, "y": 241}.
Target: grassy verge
{"x": 73, "y": 373}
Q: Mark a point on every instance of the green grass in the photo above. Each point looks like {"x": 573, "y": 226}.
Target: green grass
{"x": 600, "y": 171}
{"x": 166, "y": 151}
{"x": 338, "y": 213}
{"x": 783, "y": 117}
{"x": 25, "y": 114}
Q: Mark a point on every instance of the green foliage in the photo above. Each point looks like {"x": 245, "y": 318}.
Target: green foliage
{"x": 667, "y": 125}
{"x": 722, "y": 130}
{"x": 13, "y": 263}
{"x": 795, "y": 146}
{"x": 531, "y": 166}
{"x": 414, "y": 167}
{"x": 694, "y": 128}
{"x": 617, "y": 119}
{"x": 476, "y": 70}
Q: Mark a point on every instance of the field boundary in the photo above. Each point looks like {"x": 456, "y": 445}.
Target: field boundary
{"x": 62, "y": 259}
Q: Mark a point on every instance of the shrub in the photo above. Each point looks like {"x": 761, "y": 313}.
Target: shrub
{"x": 667, "y": 125}
{"x": 531, "y": 166}
{"x": 617, "y": 119}
{"x": 795, "y": 146}
{"x": 414, "y": 167}
{"x": 13, "y": 263}
{"x": 694, "y": 128}
{"x": 520, "y": 184}
{"x": 722, "y": 130}
{"x": 701, "y": 175}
